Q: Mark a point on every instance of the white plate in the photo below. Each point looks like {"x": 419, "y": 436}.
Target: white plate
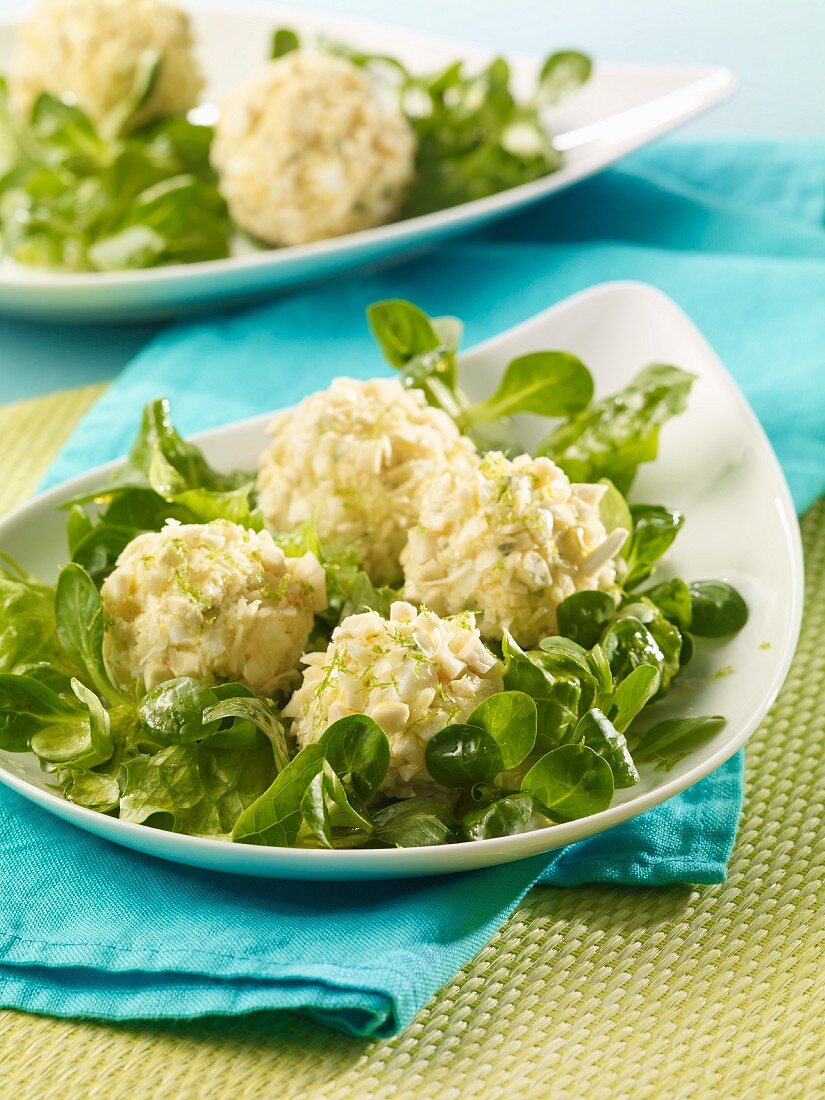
{"x": 715, "y": 463}
{"x": 621, "y": 109}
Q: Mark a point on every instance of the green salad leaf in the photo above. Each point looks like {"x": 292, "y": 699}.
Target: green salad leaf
{"x": 276, "y": 816}
{"x": 505, "y": 816}
{"x": 547, "y": 383}
{"x": 29, "y": 644}
{"x": 716, "y": 609}
{"x": 166, "y": 783}
{"x": 100, "y": 745}
{"x": 628, "y": 644}
{"x": 327, "y": 811}
{"x": 242, "y": 705}
{"x": 357, "y": 749}
{"x": 668, "y": 742}
{"x": 95, "y": 790}
{"x": 633, "y": 693}
{"x": 423, "y": 348}
{"x": 673, "y": 599}
{"x": 510, "y": 718}
{"x": 27, "y": 707}
{"x": 664, "y": 635}
{"x": 598, "y": 733}
{"x": 561, "y": 686}
{"x": 174, "y": 711}
{"x": 654, "y": 529}
{"x": 571, "y": 781}
{"x": 612, "y": 437}
{"x": 560, "y": 74}
{"x": 284, "y": 41}
{"x": 415, "y": 823}
{"x": 202, "y": 787}
{"x": 79, "y": 625}
{"x": 322, "y": 790}
{"x": 76, "y": 197}
{"x": 461, "y": 755}
{"x": 99, "y": 548}
{"x": 583, "y": 616}
{"x": 358, "y": 594}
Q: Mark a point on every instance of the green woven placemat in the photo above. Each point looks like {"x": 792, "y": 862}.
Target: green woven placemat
{"x": 589, "y": 994}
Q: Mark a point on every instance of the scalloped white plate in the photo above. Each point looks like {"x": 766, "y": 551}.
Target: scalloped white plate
{"x": 620, "y": 109}
{"x": 715, "y": 464}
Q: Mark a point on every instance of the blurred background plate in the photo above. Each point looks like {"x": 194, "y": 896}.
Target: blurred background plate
{"x": 621, "y": 109}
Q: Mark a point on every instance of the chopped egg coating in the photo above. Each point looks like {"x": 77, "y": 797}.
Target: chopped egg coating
{"x": 413, "y": 673}
{"x": 214, "y": 601}
{"x": 306, "y": 149}
{"x": 91, "y": 51}
{"x": 511, "y": 540}
{"x": 359, "y": 459}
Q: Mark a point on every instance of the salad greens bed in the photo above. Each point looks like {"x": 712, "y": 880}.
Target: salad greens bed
{"x": 76, "y": 197}
{"x": 474, "y": 137}
{"x": 577, "y": 715}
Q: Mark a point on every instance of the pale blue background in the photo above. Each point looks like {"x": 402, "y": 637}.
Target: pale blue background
{"x": 775, "y": 49}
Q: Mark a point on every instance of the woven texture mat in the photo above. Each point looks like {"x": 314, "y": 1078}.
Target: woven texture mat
{"x": 593, "y": 993}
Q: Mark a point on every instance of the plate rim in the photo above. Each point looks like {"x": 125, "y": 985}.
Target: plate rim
{"x": 713, "y": 84}
{"x": 314, "y": 863}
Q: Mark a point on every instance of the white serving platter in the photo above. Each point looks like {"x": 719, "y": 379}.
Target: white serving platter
{"x": 715, "y": 464}
{"x": 622, "y": 108}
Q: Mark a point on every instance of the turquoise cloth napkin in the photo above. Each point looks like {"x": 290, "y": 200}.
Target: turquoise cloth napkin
{"x": 732, "y": 232}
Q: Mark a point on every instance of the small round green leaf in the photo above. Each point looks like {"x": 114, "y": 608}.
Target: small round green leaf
{"x": 717, "y": 609}
{"x": 504, "y": 817}
{"x": 510, "y": 719}
{"x": 602, "y": 736}
{"x": 672, "y": 597}
{"x": 561, "y": 73}
{"x": 284, "y": 41}
{"x": 614, "y": 510}
{"x": 174, "y": 710}
{"x": 460, "y": 756}
{"x": 583, "y": 616}
{"x": 356, "y": 745}
{"x": 546, "y": 383}
{"x": 60, "y": 744}
{"x": 402, "y": 330}
{"x": 415, "y": 823}
{"x": 571, "y": 781}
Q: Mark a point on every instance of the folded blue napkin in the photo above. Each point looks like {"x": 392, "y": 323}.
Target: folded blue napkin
{"x": 734, "y": 233}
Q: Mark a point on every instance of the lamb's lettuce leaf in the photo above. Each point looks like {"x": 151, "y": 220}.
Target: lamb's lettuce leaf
{"x": 546, "y": 383}
{"x": 599, "y": 734}
{"x": 613, "y": 436}
{"x": 571, "y": 781}
{"x": 29, "y": 645}
{"x": 668, "y": 742}
{"x": 201, "y": 788}
{"x": 717, "y": 610}
{"x": 80, "y": 197}
{"x": 27, "y": 707}
{"x": 79, "y": 625}
{"x": 505, "y": 816}
{"x": 414, "y": 823}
